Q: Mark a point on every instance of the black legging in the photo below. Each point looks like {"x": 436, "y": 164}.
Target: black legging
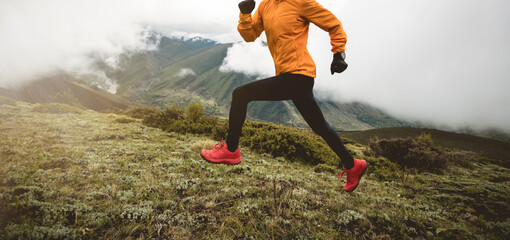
{"x": 295, "y": 87}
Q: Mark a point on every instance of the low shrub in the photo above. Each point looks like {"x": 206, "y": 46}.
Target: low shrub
{"x": 124, "y": 119}
{"x": 462, "y": 158}
{"x": 194, "y": 112}
{"x": 418, "y": 153}
{"x": 189, "y": 120}
{"x": 281, "y": 141}
{"x": 383, "y": 169}
{"x": 159, "y": 118}
{"x": 140, "y": 112}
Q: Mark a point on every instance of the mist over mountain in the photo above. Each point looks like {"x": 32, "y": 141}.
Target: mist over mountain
{"x": 186, "y": 70}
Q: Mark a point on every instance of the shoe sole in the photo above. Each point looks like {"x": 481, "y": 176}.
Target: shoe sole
{"x": 221, "y": 161}
{"x": 361, "y": 176}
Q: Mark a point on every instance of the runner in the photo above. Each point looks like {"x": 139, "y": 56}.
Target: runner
{"x": 286, "y": 24}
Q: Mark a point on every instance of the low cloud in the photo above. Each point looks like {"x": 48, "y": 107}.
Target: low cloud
{"x": 186, "y": 72}
{"x": 249, "y": 58}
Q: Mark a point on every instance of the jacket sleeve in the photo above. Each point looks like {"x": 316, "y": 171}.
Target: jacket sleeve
{"x": 250, "y": 27}
{"x": 327, "y": 21}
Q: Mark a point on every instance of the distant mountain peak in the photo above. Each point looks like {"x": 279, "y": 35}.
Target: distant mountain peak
{"x": 185, "y": 42}
{"x": 198, "y": 38}
{"x": 159, "y": 39}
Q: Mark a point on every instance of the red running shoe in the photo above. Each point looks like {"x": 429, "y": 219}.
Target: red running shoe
{"x": 354, "y": 174}
{"x": 221, "y": 154}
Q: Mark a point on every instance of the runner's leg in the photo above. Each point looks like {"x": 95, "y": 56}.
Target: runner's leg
{"x": 281, "y": 87}
{"x": 312, "y": 114}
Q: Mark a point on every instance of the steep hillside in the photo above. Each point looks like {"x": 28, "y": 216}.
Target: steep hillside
{"x": 185, "y": 71}
{"x": 83, "y": 174}
{"x": 6, "y": 92}
{"x": 65, "y": 89}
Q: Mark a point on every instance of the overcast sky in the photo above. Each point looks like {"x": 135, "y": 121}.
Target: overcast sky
{"x": 440, "y": 61}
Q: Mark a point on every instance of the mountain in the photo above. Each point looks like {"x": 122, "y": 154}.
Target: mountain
{"x": 181, "y": 71}
{"x": 63, "y": 88}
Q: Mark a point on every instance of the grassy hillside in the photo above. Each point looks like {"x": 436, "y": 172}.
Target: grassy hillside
{"x": 63, "y": 88}
{"x": 66, "y": 172}
{"x": 489, "y": 148}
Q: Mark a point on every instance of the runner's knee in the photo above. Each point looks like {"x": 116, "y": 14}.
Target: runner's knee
{"x": 322, "y": 129}
{"x": 239, "y": 94}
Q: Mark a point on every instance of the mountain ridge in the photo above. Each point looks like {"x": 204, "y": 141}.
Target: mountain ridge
{"x": 152, "y": 78}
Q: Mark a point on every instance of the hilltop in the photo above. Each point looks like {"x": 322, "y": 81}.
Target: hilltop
{"x": 67, "y": 172}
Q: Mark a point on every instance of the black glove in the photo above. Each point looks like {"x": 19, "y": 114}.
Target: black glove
{"x": 338, "y": 65}
{"x": 246, "y": 6}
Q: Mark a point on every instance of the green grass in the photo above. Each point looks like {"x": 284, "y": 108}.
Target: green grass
{"x": 93, "y": 175}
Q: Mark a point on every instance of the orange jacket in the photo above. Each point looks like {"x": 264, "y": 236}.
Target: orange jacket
{"x": 286, "y": 24}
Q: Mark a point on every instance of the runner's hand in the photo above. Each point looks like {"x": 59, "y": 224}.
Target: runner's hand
{"x": 246, "y": 6}
{"x": 338, "y": 65}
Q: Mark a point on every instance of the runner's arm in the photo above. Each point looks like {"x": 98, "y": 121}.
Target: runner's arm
{"x": 327, "y": 21}
{"x": 250, "y": 27}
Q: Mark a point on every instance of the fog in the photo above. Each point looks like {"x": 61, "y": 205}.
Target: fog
{"x": 39, "y": 37}
{"x": 439, "y": 62}
{"x": 443, "y": 62}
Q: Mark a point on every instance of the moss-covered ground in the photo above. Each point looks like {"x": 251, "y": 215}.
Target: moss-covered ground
{"x": 74, "y": 173}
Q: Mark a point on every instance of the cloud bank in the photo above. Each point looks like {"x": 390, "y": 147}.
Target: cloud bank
{"x": 443, "y": 62}
{"x": 39, "y": 37}
{"x": 438, "y": 61}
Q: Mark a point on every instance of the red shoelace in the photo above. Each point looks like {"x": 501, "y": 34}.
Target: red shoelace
{"x": 341, "y": 174}
{"x": 218, "y": 146}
